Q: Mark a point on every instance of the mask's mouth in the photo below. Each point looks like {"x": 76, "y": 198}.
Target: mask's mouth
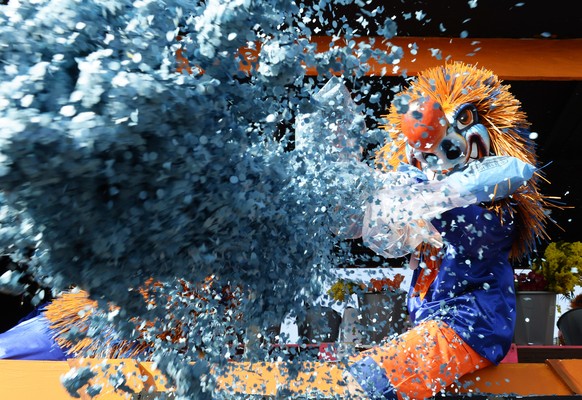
{"x": 479, "y": 142}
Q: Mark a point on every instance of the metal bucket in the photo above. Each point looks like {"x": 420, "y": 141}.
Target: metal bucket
{"x": 320, "y": 325}
{"x": 536, "y": 313}
{"x": 384, "y": 314}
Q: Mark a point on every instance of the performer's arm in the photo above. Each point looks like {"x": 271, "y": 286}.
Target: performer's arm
{"x": 397, "y": 218}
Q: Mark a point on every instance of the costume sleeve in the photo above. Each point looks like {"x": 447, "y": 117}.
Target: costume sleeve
{"x": 30, "y": 340}
{"x": 397, "y": 219}
{"x": 390, "y": 211}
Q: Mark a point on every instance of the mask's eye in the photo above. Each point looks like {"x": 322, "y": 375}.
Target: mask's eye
{"x": 466, "y": 117}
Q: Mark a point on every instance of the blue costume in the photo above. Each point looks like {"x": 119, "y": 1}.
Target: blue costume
{"x": 473, "y": 288}
{"x": 31, "y": 339}
{"x": 478, "y": 208}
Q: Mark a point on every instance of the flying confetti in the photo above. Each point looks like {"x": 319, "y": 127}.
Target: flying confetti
{"x": 118, "y": 169}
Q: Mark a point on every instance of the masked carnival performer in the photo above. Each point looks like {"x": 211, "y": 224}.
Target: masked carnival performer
{"x": 462, "y": 199}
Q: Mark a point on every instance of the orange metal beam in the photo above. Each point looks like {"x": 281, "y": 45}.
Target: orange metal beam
{"x": 41, "y": 379}
{"x": 510, "y": 59}
{"x": 570, "y": 371}
{"x": 533, "y": 379}
{"x": 23, "y": 379}
{"x": 325, "y": 379}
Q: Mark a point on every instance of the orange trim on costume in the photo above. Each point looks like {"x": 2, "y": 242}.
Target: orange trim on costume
{"x": 182, "y": 63}
{"x": 425, "y": 359}
{"x": 427, "y": 277}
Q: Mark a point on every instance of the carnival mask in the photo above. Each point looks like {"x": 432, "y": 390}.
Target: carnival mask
{"x": 440, "y": 141}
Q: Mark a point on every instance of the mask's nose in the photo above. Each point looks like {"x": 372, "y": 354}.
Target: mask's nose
{"x": 424, "y": 124}
{"x": 451, "y": 149}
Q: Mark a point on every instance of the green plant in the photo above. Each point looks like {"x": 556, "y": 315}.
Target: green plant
{"x": 560, "y": 267}
{"x": 341, "y": 289}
